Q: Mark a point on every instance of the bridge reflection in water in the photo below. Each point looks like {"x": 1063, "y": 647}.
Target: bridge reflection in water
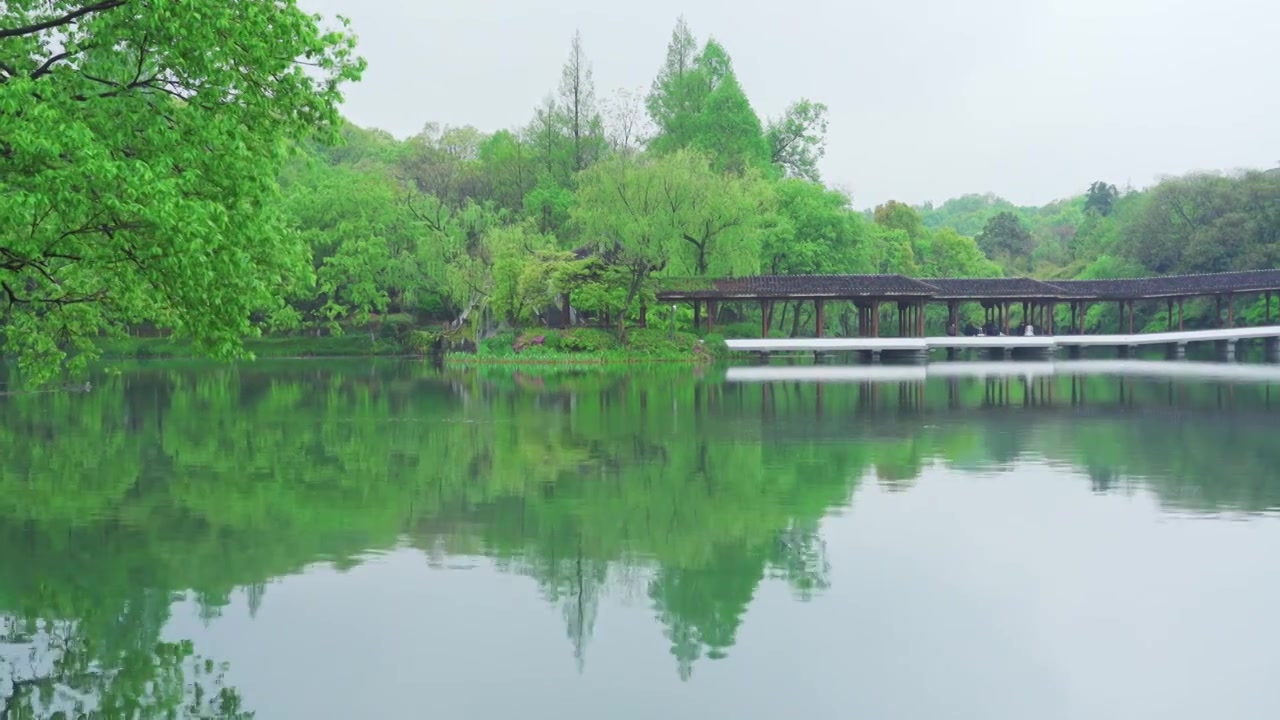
{"x": 1094, "y": 386}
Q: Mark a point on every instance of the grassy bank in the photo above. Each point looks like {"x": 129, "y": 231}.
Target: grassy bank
{"x": 591, "y": 346}
{"x": 577, "y": 346}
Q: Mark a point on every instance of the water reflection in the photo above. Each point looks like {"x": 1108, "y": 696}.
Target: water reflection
{"x": 80, "y": 662}
{"x": 689, "y": 491}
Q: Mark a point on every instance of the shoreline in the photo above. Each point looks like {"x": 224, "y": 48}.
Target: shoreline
{"x": 493, "y": 352}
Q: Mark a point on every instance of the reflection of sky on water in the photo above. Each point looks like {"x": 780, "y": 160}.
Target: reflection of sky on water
{"x": 1008, "y": 595}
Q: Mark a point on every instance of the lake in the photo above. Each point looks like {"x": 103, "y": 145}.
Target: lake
{"x": 383, "y": 539}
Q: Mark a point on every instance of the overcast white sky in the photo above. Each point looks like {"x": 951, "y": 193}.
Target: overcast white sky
{"x": 929, "y": 99}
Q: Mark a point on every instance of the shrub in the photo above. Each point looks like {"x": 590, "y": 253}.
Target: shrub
{"x": 421, "y": 342}
{"x": 653, "y": 342}
{"x": 551, "y": 340}
{"x": 715, "y": 346}
{"x": 587, "y": 340}
{"x": 501, "y": 344}
{"x": 531, "y": 340}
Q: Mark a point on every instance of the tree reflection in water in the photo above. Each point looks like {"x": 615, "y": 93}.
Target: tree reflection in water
{"x": 685, "y": 490}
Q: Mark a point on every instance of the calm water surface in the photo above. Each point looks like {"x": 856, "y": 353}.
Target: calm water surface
{"x": 385, "y": 540}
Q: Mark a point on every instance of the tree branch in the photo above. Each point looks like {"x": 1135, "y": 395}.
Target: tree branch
{"x": 65, "y": 19}
{"x": 48, "y": 64}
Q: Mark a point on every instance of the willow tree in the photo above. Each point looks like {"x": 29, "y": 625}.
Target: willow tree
{"x": 139, "y": 148}
{"x": 716, "y": 216}
{"x": 621, "y": 205}
{"x": 671, "y": 211}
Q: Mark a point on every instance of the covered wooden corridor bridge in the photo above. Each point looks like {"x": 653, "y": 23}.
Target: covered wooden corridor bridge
{"x": 1039, "y": 300}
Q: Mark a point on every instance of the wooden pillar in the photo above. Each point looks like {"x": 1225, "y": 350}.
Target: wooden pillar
{"x": 1180, "y": 314}
{"x": 817, "y": 307}
{"x": 1075, "y": 317}
{"x": 1053, "y": 309}
{"x": 921, "y": 310}
{"x": 1231, "y": 311}
{"x": 875, "y": 317}
{"x": 953, "y": 315}
{"x": 765, "y": 307}
{"x": 1267, "y": 318}
{"x": 697, "y": 315}
{"x": 1120, "y": 322}
{"x": 1217, "y": 313}
{"x": 1130, "y": 317}
{"x": 711, "y": 315}
{"x": 1169, "y": 314}
{"x": 1007, "y": 305}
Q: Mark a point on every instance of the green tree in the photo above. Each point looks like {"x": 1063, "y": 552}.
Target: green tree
{"x": 672, "y": 100}
{"x": 967, "y": 214}
{"x": 548, "y": 137}
{"x": 947, "y": 253}
{"x": 895, "y": 215}
{"x": 1005, "y": 237}
{"x": 1101, "y": 198}
{"x": 139, "y": 149}
{"x": 578, "y": 103}
{"x": 815, "y": 232}
{"x": 1207, "y": 223}
{"x": 526, "y": 268}
{"x": 623, "y": 206}
{"x": 457, "y": 253}
{"x": 368, "y": 254}
{"x": 444, "y": 162}
{"x": 715, "y": 214}
{"x": 798, "y": 139}
{"x": 728, "y": 128}
{"x": 696, "y": 102}
{"x": 507, "y": 166}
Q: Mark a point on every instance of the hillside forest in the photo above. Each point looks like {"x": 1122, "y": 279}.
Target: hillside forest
{"x": 600, "y": 196}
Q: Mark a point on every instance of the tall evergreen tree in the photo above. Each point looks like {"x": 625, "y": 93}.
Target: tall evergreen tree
{"x": 582, "y": 120}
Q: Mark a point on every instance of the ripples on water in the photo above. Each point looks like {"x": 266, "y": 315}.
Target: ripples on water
{"x": 957, "y": 540}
